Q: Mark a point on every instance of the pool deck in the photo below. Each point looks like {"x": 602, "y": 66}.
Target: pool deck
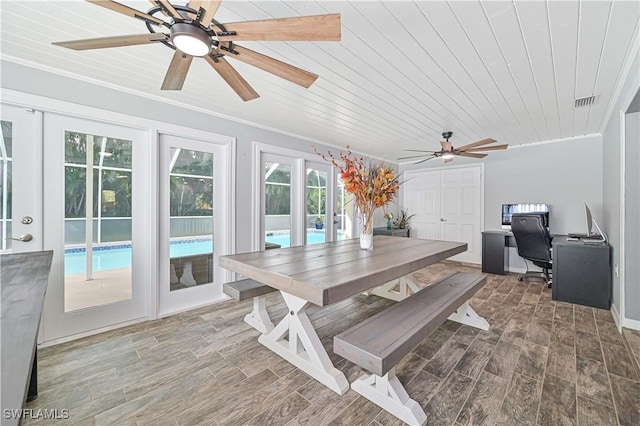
{"x": 110, "y": 286}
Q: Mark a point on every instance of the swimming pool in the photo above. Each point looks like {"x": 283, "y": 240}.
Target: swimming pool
{"x": 313, "y": 237}
{"x": 119, "y": 256}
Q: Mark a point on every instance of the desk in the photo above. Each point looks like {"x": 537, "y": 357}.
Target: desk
{"x": 314, "y": 276}
{"x": 24, "y": 283}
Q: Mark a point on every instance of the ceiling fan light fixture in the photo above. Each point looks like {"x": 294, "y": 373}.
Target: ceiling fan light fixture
{"x": 447, "y": 155}
{"x": 189, "y": 39}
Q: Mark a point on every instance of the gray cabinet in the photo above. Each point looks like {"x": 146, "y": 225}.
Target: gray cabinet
{"x": 582, "y": 273}
{"x": 495, "y": 252}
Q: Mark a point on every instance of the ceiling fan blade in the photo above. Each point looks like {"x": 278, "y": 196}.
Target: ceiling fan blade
{"x": 422, "y": 161}
{"x": 168, "y": 9}
{"x": 478, "y": 143}
{"x": 303, "y": 28}
{"x": 448, "y": 160}
{"x": 271, "y": 65}
{"x": 126, "y": 10}
{"x": 117, "y": 41}
{"x": 177, "y": 72}
{"x": 210, "y": 8}
{"x": 446, "y": 145}
{"x": 413, "y": 156}
{"x": 471, "y": 154}
{"x": 488, "y": 148}
{"x": 233, "y": 78}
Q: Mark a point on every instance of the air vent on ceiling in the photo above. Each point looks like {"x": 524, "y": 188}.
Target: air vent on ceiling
{"x": 586, "y": 101}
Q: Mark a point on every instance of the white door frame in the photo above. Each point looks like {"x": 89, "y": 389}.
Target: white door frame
{"x": 330, "y": 229}
{"x": 44, "y": 105}
{"x": 59, "y": 324}
{"x": 171, "y": 302}
{"x": 27, "y": 177}
{"x": 299, "y": 159}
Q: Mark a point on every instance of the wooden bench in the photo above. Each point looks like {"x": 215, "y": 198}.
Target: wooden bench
{"x": 381, "y": 341}
{"x": 251, "y": 289}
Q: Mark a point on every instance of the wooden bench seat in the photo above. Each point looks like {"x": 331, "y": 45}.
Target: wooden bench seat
{"x": 246, "y": 289}
{"x": 381, "y": 341}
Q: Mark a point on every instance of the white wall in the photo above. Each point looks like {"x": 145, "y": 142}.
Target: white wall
{"x": 612, "y": 178}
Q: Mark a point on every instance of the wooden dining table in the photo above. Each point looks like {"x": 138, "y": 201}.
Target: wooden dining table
{"x": 314, "y": 276}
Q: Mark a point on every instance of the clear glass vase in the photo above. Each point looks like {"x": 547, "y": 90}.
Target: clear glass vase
{"x": 366, "y": 234}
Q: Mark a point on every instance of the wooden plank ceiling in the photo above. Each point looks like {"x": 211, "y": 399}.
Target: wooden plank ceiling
{"x": 403, "y": 72}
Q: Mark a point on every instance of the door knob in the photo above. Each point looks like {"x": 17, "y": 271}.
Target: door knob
{"x": 24, "y": 238}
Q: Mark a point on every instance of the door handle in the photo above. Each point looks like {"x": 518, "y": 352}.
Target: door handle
{"x": 24, "y": 238}
{"x": 443, "y": 219}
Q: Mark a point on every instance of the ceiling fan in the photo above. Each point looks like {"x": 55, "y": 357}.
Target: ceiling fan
{"x": 447, "y": 152}
{"x": 193, "y": 32}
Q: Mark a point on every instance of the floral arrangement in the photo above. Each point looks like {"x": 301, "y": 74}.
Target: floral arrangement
{"x": 373, "y": 185}
{"x": 388, "y": 215}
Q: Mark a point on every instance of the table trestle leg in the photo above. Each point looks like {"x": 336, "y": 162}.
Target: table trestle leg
{"x": 295, "y": 340}
{"x": 398, "y": 289}
{"x": 466, "y": 315}
{"x": 259, "y": 317}
{"x": 388, "y": 393}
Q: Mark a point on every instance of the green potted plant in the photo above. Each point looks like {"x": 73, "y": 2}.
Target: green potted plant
{"x": 404, "y": 219}
{"x": 319, "y": 223}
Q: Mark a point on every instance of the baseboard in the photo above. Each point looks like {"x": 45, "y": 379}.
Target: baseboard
{"x": 616, "y": 316}
{"x": 631, "y": 324}
{"x": 90, "y": 333}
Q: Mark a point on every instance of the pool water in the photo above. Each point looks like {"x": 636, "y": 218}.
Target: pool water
{"x": 313, "y": 237}
{"x": 119, "y": 256}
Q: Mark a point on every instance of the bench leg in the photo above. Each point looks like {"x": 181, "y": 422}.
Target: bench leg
{"x": 466, "y": 315}
{"x": 388, "y": 393}
{"x": 405, "y": 287}
{"x": 259, "y": 317}
{"x": 295, "y": 340}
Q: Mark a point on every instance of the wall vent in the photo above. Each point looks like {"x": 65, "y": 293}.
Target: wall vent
{"x": 586, "y": 101}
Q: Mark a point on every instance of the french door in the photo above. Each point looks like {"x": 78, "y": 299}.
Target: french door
{"x": 299, "y": 202}
{"x": 96, "y": 195}
{"x": 20, "y": 180}
{"x": 194, "y": 231}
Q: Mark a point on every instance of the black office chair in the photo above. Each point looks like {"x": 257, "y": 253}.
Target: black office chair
{"x": 534, "y": 243}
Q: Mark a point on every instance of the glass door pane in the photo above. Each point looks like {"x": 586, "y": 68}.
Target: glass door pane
{"x": 317, "y": 221}
{"x": 97, "y": 220}
{"x": 277, "y": 204}
{"x": 191, "y": 207}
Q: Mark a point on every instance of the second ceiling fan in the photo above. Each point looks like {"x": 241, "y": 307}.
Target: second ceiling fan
{"x": 193, "y": 32}
{"x": 448, "y": 151}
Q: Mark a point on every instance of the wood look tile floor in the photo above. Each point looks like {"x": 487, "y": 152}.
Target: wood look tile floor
{"x": 542, "y": 363}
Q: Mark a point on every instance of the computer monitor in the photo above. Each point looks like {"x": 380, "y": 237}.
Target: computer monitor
{"x": 510, "y": 209}
{"x": 590, "y": 235}
{"x": 589, "y": 218}
{"x": 590, "y": 222}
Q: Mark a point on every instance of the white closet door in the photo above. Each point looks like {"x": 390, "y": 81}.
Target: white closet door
{"x": 448, "y": 206}
{"x": 461, "y": 210}
{"x": 422, "y": 198}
